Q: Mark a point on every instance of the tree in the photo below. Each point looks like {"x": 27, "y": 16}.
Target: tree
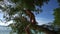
{"x": 18, "y": 13}
{"x": 57, "y": 16}
{"x": 58, "y": 2}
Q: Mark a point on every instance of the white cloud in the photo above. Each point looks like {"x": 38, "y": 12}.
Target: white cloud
{"x": 6, "y": 24}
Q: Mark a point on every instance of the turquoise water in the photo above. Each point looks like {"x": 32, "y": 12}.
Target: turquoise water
{"x": 5, "y": 30}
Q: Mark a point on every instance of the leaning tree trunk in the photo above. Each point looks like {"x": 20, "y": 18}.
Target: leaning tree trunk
{"x": 32, "y": 20}
{"x": 27, "y": 29}
{"x": 31, "y": 16}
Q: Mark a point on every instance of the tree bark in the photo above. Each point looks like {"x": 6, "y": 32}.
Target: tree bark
{"x": 27, "y": 29}
{"x": 31, "y": 16}
{"x": 32, "y": 20}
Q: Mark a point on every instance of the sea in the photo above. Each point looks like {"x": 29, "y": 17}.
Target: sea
{"x": 5, "y": 30}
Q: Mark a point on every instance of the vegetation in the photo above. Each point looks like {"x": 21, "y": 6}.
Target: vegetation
{"x": 21, "y": 12}
{"x": 57, "y": 16}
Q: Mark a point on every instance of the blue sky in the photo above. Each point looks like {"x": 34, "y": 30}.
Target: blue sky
{"x": 45, "y": 16}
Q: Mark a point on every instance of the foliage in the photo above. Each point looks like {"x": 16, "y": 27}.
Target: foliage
{"x": 16, "y": 13}
{"x": 57, "y": 16}
{"x": 0, "y": 0}
{"x": 19, "y": 7}
{"x": 59, "y": 2}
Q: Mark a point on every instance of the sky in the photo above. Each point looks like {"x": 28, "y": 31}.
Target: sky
{"x": 44, "y": 17}
{"x": 47, "y": 15}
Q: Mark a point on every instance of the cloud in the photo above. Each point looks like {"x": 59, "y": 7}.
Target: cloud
{"x": 6, "y": 24}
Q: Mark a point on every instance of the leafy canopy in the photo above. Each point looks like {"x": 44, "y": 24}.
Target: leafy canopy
{"x": 57, "y": 16}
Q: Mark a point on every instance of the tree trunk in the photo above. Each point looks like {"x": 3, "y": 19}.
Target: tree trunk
{"x": 31, "y": 16}
{"x": 32, "y": 20}
{"x": 27, "y": 29}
